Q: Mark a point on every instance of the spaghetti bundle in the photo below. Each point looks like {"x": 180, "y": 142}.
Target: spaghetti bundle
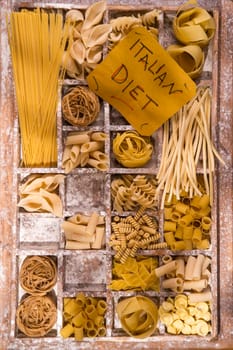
{"x": 37, "y": 41}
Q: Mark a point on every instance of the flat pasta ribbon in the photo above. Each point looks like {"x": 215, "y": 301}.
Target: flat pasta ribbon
{"x": 138, "y": 316}
{"x": 132, "y": 150}
{"x": 38, "y": 275}
{"x": 193, "y": 25}
{"x": 36, "y": 315}
{"x": 191, "y": 58}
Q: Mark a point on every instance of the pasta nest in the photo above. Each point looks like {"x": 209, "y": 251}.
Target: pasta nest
{"x": 138, "y": 316}
{"x": 80, "y": 106}
{"x": 132, "y": 150}
{"x": 38, "y": 275}
{"x": 36, "y": 315}
{"x": 193, "y": 25}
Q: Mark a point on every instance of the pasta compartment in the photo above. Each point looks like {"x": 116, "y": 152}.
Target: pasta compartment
{"x": 85, "y": 192}
{"x": 85, "y": 271}
{"x": 22, "y": 294}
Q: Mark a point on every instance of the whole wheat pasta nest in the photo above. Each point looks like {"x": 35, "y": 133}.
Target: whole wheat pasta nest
{"x": 36, "y": 315}
{"x": 38, "y": 275}
{"x": 80, "y": 106}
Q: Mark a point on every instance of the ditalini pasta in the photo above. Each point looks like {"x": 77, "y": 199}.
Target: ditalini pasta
{"x": 37, "y": 40}
{"x": 182, "y": 316}
{"x": 84, "y": 316}
{"x": 187, "y": 226}
{"x": 83, "y": 149}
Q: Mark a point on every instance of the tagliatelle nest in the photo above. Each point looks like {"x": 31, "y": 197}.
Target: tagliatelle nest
{"x": 38, "y": 275}
{"x": 80, "y": 106}
{"x": 36, "y": 315}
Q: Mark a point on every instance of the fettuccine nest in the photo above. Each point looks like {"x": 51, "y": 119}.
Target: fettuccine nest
{"x": 36, "y": 315}
{"x": 80, "y": 106}
{"x": 38, "y": 275}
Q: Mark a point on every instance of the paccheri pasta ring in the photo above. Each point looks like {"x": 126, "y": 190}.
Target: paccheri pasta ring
{"x": 190, "y": 58}
{"x": 138, "y": 316}
{"x": 80, "y": 106}
{"x": 193, "y": 25}
{"x": 132, "y": 150}
{"x": 36, "y": 315}
{"x": 38, "y": 274}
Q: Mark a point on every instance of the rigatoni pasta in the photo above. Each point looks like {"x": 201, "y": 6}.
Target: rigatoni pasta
{"x": 84, "y": 148}
{"x": 84, "y": 317}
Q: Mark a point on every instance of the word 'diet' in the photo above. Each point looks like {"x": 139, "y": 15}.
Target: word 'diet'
{"x": 140, "y": 79}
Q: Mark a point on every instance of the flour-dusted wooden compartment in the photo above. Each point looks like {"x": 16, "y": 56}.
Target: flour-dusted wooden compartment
{"x": 87, "y": 189}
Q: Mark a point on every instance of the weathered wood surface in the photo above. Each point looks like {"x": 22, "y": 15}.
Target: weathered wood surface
{"x": 224, "y": 139}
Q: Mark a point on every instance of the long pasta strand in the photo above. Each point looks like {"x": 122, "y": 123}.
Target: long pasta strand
{"x": 37, "y": 40}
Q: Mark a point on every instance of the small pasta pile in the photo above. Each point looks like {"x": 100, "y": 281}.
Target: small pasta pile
{"x": 84, "y": 231}
{"x": 131, "y": 233}
{"x": 187, "y": 222}
{"x": 84, "y": 316}
{"x": 129, "y": 192}
{"x": 138, "y": 316}
{"x": 38, "y": 275}
{"x": 187, "y": 145}
{"x": 131, "y": 149}
{"x": 84, "y": 148}
{"x": 36, "y": 314}
{"x": 122, "y": 25}
{"x": 87, "y": 36}
{"x": 135, "y": 274}
{"x": 38, "y": 194}
{"x": 180, "y": 315}
{"x": 184, "y": 273}
{"x": 80, "y": 106}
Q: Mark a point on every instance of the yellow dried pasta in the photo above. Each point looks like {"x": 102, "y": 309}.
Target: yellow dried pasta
{"x": 131, "y": 149}
{"x": 84, "y": 317}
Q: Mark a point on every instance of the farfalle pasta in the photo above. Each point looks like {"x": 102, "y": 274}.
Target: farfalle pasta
{"x": 131, "y": 149}
{"x": 39, "y": 193}
{"x": 135, "y": 274}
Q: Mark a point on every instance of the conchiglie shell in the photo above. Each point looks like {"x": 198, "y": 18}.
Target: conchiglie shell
{"x": 77, "y": 51}
{"x": 89, "y": 66}
{"x": 74, "y": 16}
{"x": 98, "y": 35}
{"x": 94, "y": 54}
{"x": 94, "y": 14}
{"x": 71, "y": 67}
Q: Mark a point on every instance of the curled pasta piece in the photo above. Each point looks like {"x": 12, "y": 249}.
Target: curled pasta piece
{"x": 193, "y": 25}
{"x": 138, "y": 316}
{"x": 132, "y": 150}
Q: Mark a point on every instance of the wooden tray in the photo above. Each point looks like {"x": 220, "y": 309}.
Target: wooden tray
{"x": 17, "y": 226}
